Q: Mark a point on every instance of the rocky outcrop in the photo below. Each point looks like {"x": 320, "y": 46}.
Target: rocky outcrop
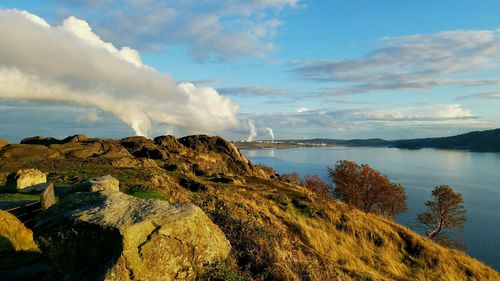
{"x": 3, "y": 142}
{"x": 40, "y": 140}
{"x": 215, "y": 156}
{"x": 91, "y": 148}
{"x": 198, "y": 155}
{"x": 28, "y": 153}
{"x": 15, "y": 236}
{"x": 104, "y": 183}
{"x": 170, "y": 144}
{"x": 143, "y": 147}
{"x": 50, "y": 140}
{"x": 127, "y": 162}
{"x": 26, "y": 180}
{"x": 75, "y": 139}
{"x": 112, "y": 236}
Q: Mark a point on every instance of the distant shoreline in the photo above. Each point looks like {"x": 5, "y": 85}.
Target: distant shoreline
{"x": 478, "y": 141}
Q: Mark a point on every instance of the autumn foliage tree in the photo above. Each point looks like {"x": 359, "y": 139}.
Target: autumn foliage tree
{"x": 444, "y": 212}
{"x": 316, "y": 184}
{"x": 367, "y": 189}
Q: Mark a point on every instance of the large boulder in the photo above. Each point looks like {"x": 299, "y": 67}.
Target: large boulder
{"x": 170, "y": 144}
{"x": 75, "y": 139}
{"x": 143, "y": 147}
{"x": 27, "y": 153}
{"x": 26, "y": 180}
{"x": 14, "y": 235}
{"x": 98, "y": 184}
{"x": 112, "y": 236}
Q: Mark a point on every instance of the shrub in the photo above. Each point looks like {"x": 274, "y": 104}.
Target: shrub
{"x": 367, "y": 189}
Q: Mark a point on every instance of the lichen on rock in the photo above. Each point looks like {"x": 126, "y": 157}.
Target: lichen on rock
{"x": 120, "y": 237}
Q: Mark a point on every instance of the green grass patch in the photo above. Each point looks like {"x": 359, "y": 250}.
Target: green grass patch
{"x": 146, "y": 194}
{"x": 5, "y": 196}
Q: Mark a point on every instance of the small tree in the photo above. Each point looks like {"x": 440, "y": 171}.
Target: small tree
{"x": 314, "y": 183}
{"x": 367, "y": 189}
{"x": 444, "y": 212}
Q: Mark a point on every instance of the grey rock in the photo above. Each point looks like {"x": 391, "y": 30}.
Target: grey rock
{"x": 112, "y": 236}
{"x": 107, "y": 183}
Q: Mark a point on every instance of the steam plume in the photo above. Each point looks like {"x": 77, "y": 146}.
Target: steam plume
{"x": 71, "y": 64}
{"x": 253, "y": 131}
{"x": 270, "y": 132}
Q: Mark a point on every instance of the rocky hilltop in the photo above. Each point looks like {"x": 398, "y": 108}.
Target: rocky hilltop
{"x": 195, "y": 208}
{"x": 201, "y": 155}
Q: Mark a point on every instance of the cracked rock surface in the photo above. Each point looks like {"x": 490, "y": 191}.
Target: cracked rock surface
{"x": 109, "y": 235}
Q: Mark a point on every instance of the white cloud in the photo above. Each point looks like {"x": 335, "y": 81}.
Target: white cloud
{"x": 367, "y": 122}
{"x": 415, "y": 62}
{"x": 435, "y": 112}
{"x": 224, "y": 29}
{"x": 70, "y": 64}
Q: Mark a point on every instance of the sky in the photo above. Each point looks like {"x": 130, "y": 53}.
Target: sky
{"x": 254, "y": 69}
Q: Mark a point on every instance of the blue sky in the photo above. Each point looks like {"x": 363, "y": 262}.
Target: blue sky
{"x": 305, "y": 69}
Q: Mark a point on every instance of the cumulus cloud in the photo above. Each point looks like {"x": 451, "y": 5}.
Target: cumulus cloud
{"x": 415, "y": 62}
{"x": 323, "y": 122}
{"x": 224, "y": 29}
{"x": 71, "y": 64}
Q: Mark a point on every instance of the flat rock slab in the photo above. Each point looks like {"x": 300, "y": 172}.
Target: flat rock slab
{"x": 112, "y": 236}
{"x": 107, "y": 182}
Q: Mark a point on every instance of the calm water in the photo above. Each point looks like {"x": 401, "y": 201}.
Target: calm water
{"x": 475, "y": 175}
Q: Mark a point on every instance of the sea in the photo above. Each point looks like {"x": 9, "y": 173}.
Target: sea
{"x": 476, "y": 175}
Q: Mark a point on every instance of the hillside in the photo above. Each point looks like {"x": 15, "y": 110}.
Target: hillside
{"x": 480, "y": 141}
{"x": 487, "y": 141}
{"x": 277, "y": 230}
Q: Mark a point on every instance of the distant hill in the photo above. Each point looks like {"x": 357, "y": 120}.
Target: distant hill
{"x": 486, "y": 141}
{"x": 481, "y": 141}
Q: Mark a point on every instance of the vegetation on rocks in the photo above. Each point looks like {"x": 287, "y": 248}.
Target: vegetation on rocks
{"x": 278, "y": 230}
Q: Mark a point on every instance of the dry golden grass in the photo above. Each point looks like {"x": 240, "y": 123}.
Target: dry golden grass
{"x": 280, "y": 231}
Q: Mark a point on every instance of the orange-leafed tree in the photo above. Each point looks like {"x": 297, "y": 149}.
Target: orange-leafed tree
{"x": 444, "y": 212}
{"x": 366, "y": 189}
{"x": 316, "y": 184}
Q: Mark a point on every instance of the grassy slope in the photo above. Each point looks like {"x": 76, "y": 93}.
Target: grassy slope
{"x": 283, "y": 232}
{"x": 293, "y": 234}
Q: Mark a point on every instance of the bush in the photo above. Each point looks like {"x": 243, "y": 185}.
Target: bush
{"x": 367, "y": 189}
{"x": 315, "y": 184}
